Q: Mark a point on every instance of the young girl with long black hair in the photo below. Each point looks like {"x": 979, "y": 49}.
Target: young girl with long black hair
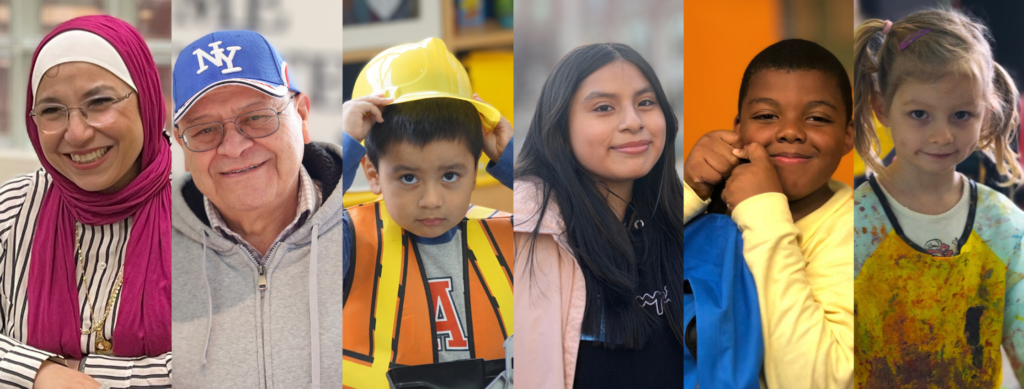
{"x": 599, "y": 229}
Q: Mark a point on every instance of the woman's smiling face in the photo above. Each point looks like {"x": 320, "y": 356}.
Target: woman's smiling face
{"x": 616, "y": 125}
{"x": 98, "y": 157}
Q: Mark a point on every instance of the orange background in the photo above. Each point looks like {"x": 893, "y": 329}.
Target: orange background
{"x": 719, "y": 39}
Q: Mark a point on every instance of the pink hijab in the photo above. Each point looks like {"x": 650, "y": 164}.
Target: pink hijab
{"x": 144, "y": 316}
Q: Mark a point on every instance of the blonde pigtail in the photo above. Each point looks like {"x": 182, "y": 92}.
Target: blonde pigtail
{"x": 865, "y": 69}
{"x": 996, "y": 140}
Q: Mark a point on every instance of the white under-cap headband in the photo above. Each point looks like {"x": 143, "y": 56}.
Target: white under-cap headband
{"x": 79, "y": 46}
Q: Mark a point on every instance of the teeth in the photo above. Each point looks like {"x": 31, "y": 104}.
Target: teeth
{"x": 244, "y": 170}
{"x": 90, "y": 157}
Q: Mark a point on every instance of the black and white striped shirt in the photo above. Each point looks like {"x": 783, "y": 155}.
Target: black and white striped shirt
{"x": 103, "y": 249}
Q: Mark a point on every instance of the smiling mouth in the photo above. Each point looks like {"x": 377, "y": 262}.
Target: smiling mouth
{"x": 243, "y": 170}
{"x": 636, "y": 147}
{"x": 936, "y": 155}
{"x": 89, "y": 157}
{"x": 790, "y": 158}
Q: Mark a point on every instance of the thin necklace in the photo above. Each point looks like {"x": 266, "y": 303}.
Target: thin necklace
{"x": 103, "y": 346}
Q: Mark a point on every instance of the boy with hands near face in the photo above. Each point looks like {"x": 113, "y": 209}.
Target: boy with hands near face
{"x": 793, "y": 126}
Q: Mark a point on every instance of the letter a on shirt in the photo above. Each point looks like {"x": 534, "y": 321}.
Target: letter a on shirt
{"x": 450, "y": 335}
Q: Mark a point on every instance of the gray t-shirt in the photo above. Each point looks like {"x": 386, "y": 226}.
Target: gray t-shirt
{"x": 443, "y": 264}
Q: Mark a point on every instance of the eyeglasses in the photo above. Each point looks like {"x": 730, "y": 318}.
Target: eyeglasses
{"x": 54, "y": 118}
{"x": 257, "y": 124}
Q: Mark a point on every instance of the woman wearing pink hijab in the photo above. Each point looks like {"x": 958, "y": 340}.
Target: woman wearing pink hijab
{"x": 85, "y": 276}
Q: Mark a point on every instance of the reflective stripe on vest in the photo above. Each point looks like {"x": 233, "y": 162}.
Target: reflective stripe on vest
{"x": 383, "y": 276}
{"x": 495, "y": 277}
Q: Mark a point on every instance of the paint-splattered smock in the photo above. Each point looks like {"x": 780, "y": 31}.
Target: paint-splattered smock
{"x": 937, "y": 321}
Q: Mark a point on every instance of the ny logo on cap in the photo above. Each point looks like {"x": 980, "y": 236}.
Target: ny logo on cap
{"x": 218, "y": 58}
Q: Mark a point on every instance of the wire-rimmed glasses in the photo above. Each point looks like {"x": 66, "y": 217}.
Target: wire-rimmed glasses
{"x": 52, "y": 118}
{"x": 256, "y": 124}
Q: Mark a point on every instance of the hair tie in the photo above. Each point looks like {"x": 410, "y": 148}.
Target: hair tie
{"x": 888, "y": 27}
{"x": 913, "y": 37}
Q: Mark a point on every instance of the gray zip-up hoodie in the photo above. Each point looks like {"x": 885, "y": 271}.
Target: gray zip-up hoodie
{"x": 228, "y": 331}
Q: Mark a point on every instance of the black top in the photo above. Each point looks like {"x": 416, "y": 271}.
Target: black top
{"x": 659, "y": 364}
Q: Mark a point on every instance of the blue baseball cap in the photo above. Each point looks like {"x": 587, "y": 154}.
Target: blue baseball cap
{"x": 228, "y": 58}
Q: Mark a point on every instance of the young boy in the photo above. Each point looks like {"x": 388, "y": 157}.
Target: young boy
{"x": 425, "y": 281}
{"x": 794, "y": 126}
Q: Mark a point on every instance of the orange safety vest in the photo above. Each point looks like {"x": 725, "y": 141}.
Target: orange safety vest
{"x": 388, "y": 313}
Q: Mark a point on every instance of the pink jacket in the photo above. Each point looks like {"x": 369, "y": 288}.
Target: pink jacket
{"x": 550, "y": 295}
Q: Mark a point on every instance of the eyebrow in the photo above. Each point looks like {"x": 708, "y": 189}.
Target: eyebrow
{"x": 242, "y": 109}
{"x": 403, "y": 168}
{"x": 922, "y": 103}
{"x": 454, "y": 166}
{"x": 598, "y": 95}
{"x": 763, "y": 100}
{"x": 95, "y": 91}
{"x": 89, "y": 93}
{"x": 646, "y": 89}
{"x": 817, "y": 103}
{"x": 601, "y": 94}
{"x": 196, "y": 119}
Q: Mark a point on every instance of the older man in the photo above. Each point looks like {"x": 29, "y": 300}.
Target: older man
{"x": 257, "y": 299}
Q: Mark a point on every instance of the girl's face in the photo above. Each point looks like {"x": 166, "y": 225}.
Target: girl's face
{"x": 616, "y": 126}
{"x": 935, "y": 125}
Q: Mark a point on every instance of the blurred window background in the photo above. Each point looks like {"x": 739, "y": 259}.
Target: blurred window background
{"x": 546, "y": 30}
{"x": 24, "y": 23}
{"x": 307, "y": 34}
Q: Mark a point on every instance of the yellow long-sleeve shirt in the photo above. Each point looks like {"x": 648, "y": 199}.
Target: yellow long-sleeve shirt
{"x": 804, "y": 277}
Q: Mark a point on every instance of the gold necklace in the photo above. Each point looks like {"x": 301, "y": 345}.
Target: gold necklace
{"x": 103, "y": 346}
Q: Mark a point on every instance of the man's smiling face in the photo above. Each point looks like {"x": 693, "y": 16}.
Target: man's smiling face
{"x": 245, "y": 174}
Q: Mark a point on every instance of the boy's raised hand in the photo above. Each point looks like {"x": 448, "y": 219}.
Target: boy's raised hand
{"x": 751, "y": 179}
{"x": 711, "y": 161}
{"x": 496, "y": 139}
{"x": 358, "y": 115}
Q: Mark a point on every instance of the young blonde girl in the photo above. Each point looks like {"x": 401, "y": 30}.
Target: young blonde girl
{"x": 938, "y": 263}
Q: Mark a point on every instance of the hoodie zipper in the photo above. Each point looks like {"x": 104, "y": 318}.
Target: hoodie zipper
{"x": 262, "y": 286}
{"x": 263, "y": 278}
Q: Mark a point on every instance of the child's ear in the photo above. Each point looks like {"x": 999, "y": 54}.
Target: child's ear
{"x": 736, "y": 123}
{"x": 879, "y": 108}
{"x": 372, "y": 176}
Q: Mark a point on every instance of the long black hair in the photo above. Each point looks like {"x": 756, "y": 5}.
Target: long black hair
{"x": 599, "y": 241}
